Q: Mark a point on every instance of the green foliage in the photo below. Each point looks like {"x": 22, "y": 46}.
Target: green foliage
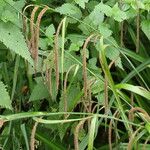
{"x": 80, "y": 86}
{"x": 70, "y": 9}
{"x": 81, "y": 3}
{"x": 13, "y": 39}
{"x": 5, "y": 101}
{"x": 145, "y": 25}
{"x": 39, "y": 92}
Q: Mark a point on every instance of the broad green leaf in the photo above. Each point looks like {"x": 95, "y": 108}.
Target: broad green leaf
{"x": 107, "y": 10}
{"x": 81, "y": 3}
{"x": 69, "y": 9}
{"x": 117, "y": 14}
{"x": 73, "y": 95}
{"x": 96, "y": 16}
{"x": 13, "y": 39}
{"x": 50, "y": 31}
{"x": 147, "y": 127}
{"x": 43, "y": 43}
{"x": 74, "y": 47}
{"x": 91, "y": 5}
{"x": 135, "y": 89}
{"x": 113, "y": 54}
{"x": 147, "y": 5}
{"x": 104, "y": 30}
{"x": 98, "y": 86}
{"x": 92, "y": 63}
{"x": 11, "y": 12}
{"x": 145, "y": 25}
{"x": 4, "y": 97}
{"x": 86, "y": 29}
{"x": 39, "y": 92}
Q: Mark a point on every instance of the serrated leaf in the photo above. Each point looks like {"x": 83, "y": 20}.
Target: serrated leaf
{"x": 86, "y": 29}
{"x": 50, "y": 31}
{"x": 145, "y": 25}
{"x": 73, "y": 96}
{"x": 4, "y": 97}
{"x": 13, "y": 39}
{"x": 96, "y": 16}
{"x": 69, "y": 9}
{"x": 107, "y": 10}
{"x": 11, "y": 11}
{"x": 74, "y": 47}
{"x": 113, "y": 54}
{"x": 117, "y": 14}
{"x": 104, "y": 30}
{"x": 81, "y": 3}
{"x": 39, "y": 92}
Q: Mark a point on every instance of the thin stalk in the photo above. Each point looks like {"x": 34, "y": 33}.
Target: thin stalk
{"x": 15, "y": 76}
{"x": 62, "y": 50}
{"x": 137, "y": 29}
{"x": 5, "y": 74}
{"x": 106, "y": 70}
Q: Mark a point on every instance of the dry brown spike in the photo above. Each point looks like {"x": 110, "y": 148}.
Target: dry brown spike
{"x": 132, "y": 110}
{"x": 56, "y": 54}
{"x": 32, "y": 139}
{"x": 48, "y": 75}
{"x": 137, "y": 30}
{"x": 131, "y": 140}
{"x": 76, "y": 134}
{"x": 85, "y": 66}
{"x": 24, "y": 18}
{"x": 32, "y": 27}
{"x": 110, "y": 129}
{"x": 37, "y": 32}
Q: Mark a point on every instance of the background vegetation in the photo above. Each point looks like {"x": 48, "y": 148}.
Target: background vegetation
{"x": 74, "y": 74}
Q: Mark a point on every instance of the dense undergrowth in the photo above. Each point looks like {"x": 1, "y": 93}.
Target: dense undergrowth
{"x": 74, "y": 74}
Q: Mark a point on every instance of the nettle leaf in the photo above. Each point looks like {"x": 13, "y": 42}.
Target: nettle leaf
{"x": 73, "y": 96}
{"x": 107, "y": 10}
{"x": 74, "y": 38}
{"x": 4, "y": 97}
{"x": 39, "y": 92}
{"x": 76, "y": 46}
{"x": 81, "y": 3}
{"x": 145, "y": 25}
{"x": 136, "y": 4}
{"x": 86, "y": 29}
{"x": 92, "y": 63}
{"x": 104, "y": 30}
{"x": 147, "y": 5}
{"x": 13, "y": 39}
{"x": 98, "y": 86}
{"x": 113, "y": 54}
{"x": 117, "y": 14}
{"x": 2, "y": 5}
{"x": 69, "y": 9}
{"x": 131, "y": 13}
{"x": 11, "y": 12}
{"x": 91, "y": 5}
{"x": 96, "y": 16}
{"x": 50, "y": 31}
